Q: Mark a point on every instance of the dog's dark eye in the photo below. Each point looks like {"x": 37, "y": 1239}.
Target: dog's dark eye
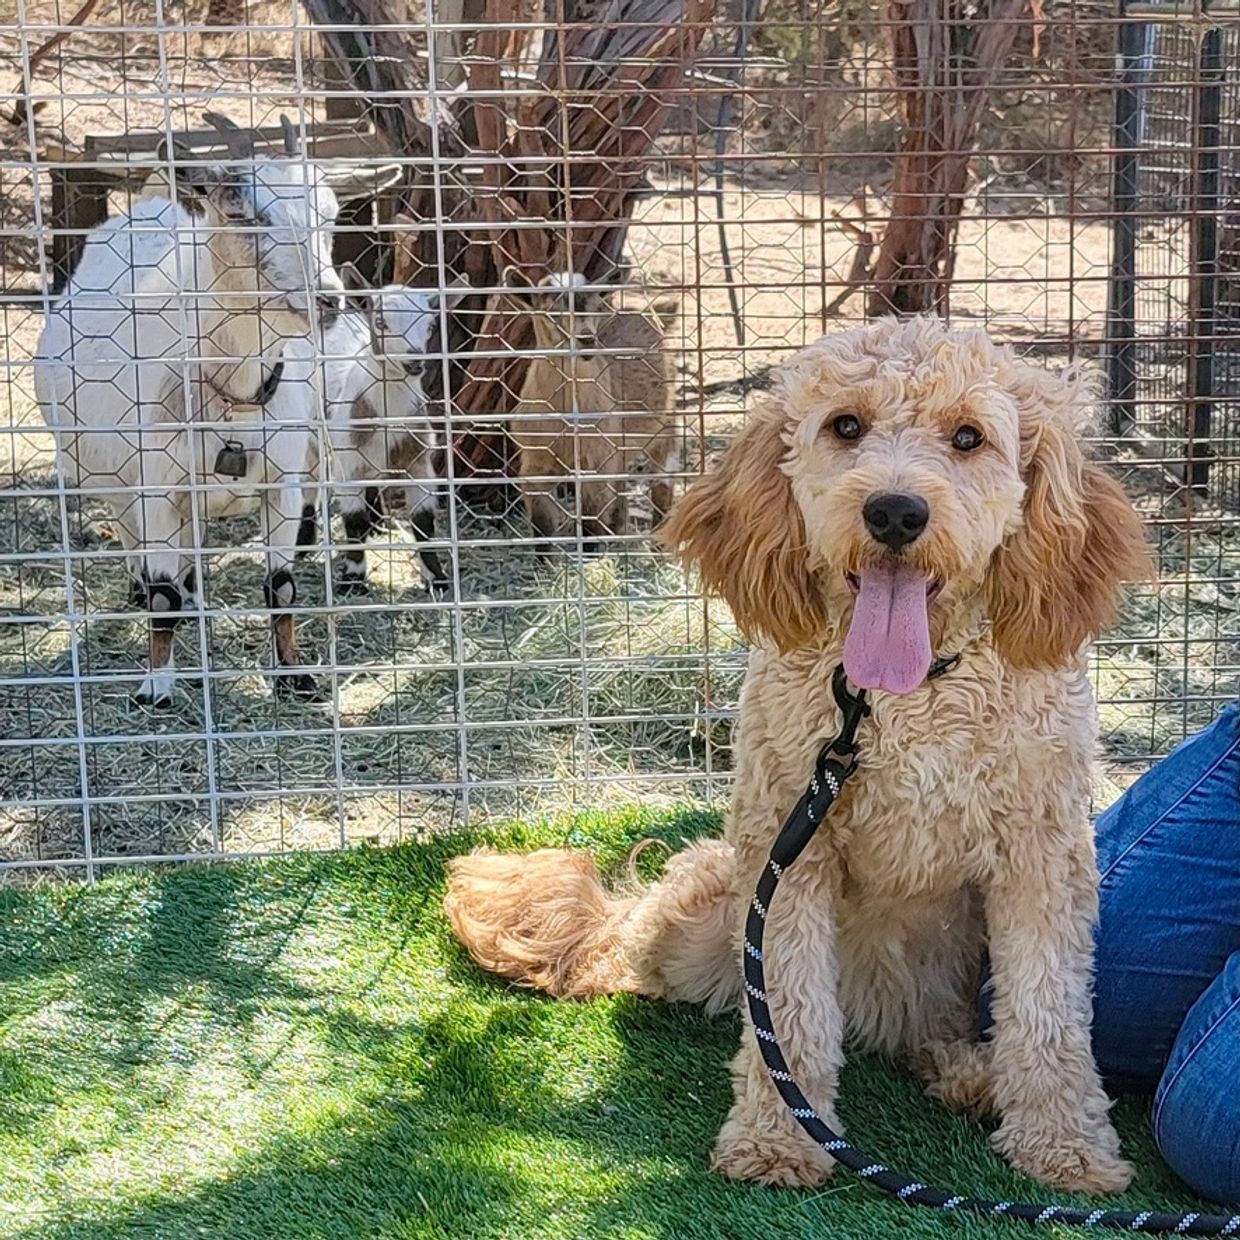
{"x": 847, "y": 426}
{"x": 967, "y": 438}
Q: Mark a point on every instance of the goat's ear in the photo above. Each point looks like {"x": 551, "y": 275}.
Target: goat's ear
{"x": 514, "y": 277}
{"x": 192, "y": 178}
{"x": 404, "y": 241}
{"x": 1056, "y": 581}
{"x": 567, "y": 286}
{"x": 404, "y": 264}
{"x": 456, "y": 290}
{"x": 594, "y": 303}
{"x": 667, "y": 311}
{"x": 517, "y": 288}
{"x": 741, "y": 527}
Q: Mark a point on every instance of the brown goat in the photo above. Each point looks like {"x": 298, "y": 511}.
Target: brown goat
{"x": 594, "y": 410}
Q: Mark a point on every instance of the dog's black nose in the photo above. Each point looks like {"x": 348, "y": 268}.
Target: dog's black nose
{"x": 895, "y": 520}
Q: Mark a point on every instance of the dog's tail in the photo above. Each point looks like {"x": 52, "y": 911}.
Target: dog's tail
{"x": 544, "y": 919}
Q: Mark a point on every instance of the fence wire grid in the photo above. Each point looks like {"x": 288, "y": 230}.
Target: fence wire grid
{"x": 597, "y": 227}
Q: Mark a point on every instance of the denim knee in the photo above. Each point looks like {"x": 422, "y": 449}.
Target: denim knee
{"x": 1197, "y": 1106}
{"x": 1169, "y": 859}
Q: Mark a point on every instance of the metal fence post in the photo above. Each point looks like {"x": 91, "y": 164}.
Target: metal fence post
{"x": 1122, "y": 295}
{"x": 1204, "y": 256}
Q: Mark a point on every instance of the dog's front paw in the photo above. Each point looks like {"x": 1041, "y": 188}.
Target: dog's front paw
{"x": 1075, "y": 1164}
{"x": 785, "y": 1159}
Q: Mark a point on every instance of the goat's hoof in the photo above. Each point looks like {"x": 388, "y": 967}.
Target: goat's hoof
{"x": 435, "y": 581}
{"x": 353, "y": 587}
{"x": 155, "y": 699}
{"x": 298, "y": 687}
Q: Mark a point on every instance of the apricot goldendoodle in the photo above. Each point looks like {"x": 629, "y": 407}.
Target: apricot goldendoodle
{"x": 907, "y": 491}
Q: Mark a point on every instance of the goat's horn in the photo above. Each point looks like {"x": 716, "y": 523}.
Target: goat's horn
{"x": 240, "y": 141}
{"x": 175, "y": 150}
{"x": 514, "y": 277}
{"x": 291, "y": 146}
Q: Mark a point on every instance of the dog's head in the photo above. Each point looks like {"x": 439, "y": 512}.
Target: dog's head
{"x": 900, "y": 476}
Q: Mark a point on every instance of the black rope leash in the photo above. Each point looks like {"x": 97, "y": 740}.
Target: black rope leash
{"x": 837, "y": 760}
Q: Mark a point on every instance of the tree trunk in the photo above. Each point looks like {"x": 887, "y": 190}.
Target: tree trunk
{"x": 543, "y": 155}
{"x": 944, "y": 63}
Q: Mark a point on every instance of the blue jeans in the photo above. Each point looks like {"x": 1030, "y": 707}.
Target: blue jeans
{"x": 1167, "y": 990}
{"x": 1167, "y": 958}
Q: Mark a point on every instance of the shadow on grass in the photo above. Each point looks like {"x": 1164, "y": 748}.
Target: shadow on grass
{"x": 473, "y": 1110}
{"x": 128, "y": 956}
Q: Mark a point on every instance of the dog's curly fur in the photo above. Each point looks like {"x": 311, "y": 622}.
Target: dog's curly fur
{"x": 967, "y": 824}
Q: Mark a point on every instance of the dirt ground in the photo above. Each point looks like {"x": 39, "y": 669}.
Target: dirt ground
{"x": 540, "y": 685}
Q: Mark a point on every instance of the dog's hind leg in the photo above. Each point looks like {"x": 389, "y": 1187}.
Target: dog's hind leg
{"x": 682, "y": 934}
{"x": 959, "y": 1074}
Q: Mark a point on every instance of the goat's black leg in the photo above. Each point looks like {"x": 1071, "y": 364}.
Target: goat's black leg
{"x": 283, "y": 508}
{"x": 359, "y": 523}
{"x": 307, "y": 530}
{"x": 432, "y": 566}
{"x": 280, "y": 591}
{"x": 191, "y": 602}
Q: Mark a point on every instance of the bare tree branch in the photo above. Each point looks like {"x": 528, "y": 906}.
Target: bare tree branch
{"x": 945, "y": 61}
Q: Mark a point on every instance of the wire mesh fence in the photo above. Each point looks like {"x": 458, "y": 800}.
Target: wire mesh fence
{"x": 393, "y": 391}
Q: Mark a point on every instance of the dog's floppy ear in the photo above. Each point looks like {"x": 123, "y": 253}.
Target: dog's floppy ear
{"x": 742, "y": 528}
{"x": 1056, "y": 581}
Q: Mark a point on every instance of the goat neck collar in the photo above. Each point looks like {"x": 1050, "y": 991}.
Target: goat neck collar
{"x": 266, "y": 389}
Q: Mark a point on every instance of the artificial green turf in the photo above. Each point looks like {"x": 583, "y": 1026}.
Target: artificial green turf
{"x": 297, "y": 1049}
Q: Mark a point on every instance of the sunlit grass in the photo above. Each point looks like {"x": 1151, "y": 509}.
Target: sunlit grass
{"x": 297, "y": 1048}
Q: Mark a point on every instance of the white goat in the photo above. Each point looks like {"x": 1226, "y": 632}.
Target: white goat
{"x": 177, "y": 371}
{"x": 383, "y": 364}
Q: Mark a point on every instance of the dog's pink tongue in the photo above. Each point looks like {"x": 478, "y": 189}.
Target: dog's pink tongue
{"x": 888, "y": 643}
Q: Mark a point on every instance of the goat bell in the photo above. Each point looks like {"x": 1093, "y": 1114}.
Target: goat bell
{"x": 230, "y": 461}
